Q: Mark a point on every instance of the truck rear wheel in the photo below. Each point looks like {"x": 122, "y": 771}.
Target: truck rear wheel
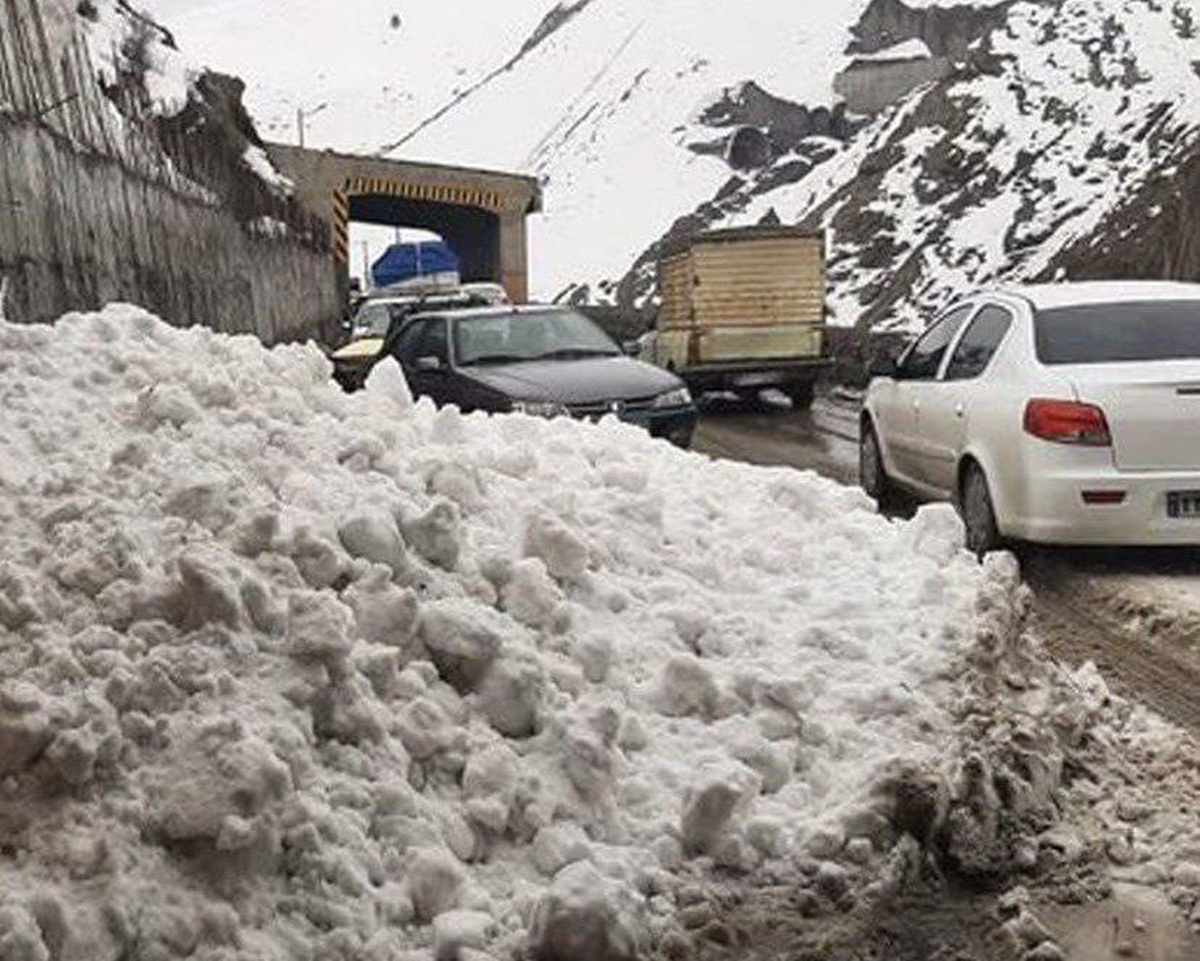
{"x": 801, "y": 393}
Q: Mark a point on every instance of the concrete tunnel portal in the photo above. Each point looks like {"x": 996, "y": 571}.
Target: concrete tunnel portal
{"x": 481, "y": 214}
{"x": 472, "y": 233}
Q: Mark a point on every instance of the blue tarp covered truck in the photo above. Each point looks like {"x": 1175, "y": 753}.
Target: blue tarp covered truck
{"x": 423, "y": 261}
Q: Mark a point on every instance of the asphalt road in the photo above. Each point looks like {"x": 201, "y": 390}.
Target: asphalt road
{"x": 1078, "y": 610}
{"x": 770, "y": 433}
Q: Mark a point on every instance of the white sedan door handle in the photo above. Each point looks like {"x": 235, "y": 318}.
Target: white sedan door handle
{"x": 959, "y": 411}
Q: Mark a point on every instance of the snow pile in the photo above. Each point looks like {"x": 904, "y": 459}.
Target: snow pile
{"x": 1068, "y": 789}
{"x": 286, "y": 673}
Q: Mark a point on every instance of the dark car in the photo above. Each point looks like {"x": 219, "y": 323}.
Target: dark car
{"x": 380, "y": 316}
{"x": 539, "y": 360}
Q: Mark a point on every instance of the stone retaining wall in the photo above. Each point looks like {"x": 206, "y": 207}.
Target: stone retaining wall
{"x": 93, "y": 210}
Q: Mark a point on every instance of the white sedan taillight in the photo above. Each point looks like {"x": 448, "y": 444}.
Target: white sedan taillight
{"x": 1067, "y": 422}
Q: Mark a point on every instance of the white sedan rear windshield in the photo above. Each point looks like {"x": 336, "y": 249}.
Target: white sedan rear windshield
{"x": 1119, "y": 333}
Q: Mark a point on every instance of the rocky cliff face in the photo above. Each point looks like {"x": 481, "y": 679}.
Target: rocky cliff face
{"x": 1054, "y": 151}
{"x": 948, "y": 31}
{"x": 1064, "y": 143}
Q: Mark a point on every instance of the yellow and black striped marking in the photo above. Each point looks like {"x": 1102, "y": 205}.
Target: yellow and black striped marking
{"x": 341, "y": 227}
{"x": 442, "y": 193}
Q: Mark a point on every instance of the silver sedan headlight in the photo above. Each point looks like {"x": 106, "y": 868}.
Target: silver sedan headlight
{"x": 538, "y": 408}
{"x": 680, "y": 397}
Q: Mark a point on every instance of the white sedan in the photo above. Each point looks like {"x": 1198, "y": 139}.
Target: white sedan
{"x": 1059, "y": 414}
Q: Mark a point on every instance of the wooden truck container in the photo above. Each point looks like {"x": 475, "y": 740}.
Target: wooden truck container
{"x": 742, "y": 310}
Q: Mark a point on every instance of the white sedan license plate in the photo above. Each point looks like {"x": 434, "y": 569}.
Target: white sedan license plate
{"x": 1183, "y": 504}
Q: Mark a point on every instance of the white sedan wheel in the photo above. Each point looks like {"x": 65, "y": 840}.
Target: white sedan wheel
{"x": 978, "y": 514}
{"x": 872, "y": 476}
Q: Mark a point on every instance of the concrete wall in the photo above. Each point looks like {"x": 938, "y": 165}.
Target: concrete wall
{"x": 91, "y": 209}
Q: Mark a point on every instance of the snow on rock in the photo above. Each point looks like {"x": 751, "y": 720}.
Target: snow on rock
{"x": 257, "y": 160}
{"x": 124, "y": 42}
{"x": 147, "y": 78}
{"x": 908, "y": 50}
{"x": 269, "y": 690}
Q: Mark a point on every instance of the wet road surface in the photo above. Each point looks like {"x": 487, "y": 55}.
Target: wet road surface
{"x": 769, "y": 433}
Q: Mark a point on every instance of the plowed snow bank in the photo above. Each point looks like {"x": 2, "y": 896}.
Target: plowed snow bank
{"x": 292, "y": 674}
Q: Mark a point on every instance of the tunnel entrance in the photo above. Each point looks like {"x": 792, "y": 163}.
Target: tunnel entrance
{"x": 471, "y": 232}
{"x": 479, "y": 213}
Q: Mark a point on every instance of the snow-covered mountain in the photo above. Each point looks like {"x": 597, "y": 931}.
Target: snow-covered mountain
{"x": 1039, "y": 129}
{"x": 611, "y": 112}
{"x": 1064, "y": 144}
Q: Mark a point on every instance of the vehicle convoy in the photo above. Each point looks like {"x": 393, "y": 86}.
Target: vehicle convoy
{"x": 1059, "y": 414}
{"x": 544, "y": 361}
{"x": 380, "y": 316}
{"x": 743, "y": 310}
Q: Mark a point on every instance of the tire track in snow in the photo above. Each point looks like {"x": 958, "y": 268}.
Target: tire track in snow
{"x": 1078, "y": 631}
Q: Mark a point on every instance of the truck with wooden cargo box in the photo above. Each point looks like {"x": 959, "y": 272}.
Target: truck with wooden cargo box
{"x": 743, "y": 310}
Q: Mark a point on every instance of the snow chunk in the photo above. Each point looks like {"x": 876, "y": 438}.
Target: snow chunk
{"x": 374, "y": 536}
{"x": 435, "y": 882}
{"x": 25, "y": 728}
{"x": 558, "y": 845}
{"x": 21, "y": 936}
{"x": 510, "y": 694}
{"x": 585, "y": 917}
{"x": 711, "y": 806}
{"x": 383, "y": 612}
{"x": 530, "y": 595}
{"x": 320, "y": 628}
{"x": 463, "y": 638}
{"x": 489, "y": 783}
{"x": 437, "y": 534}
{"x": 386, "y": 387}
{"x": 561, "y": 548}
{"x": 686, "y": 687}
{"x": 456, "y": 931}
{"x": 225, "y": 781}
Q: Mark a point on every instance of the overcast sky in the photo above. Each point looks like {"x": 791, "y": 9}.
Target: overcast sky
{"x": 180, "y": 8}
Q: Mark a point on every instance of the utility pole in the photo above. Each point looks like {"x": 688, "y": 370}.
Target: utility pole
{"x": 302, "y": 115}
